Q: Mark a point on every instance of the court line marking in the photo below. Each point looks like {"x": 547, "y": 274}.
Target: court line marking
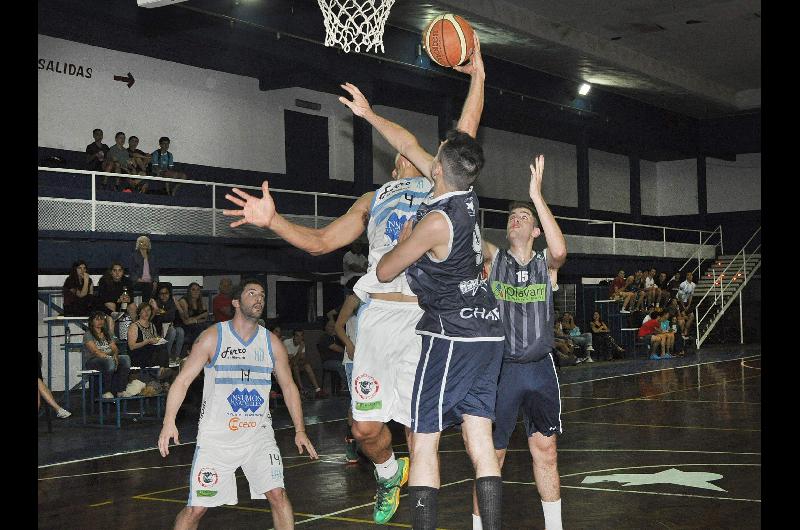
{"x": 398, "y": 445}
{"x": 745, "y": 365}
{"x": 110, "y": 471}
{"x": 593, "y": 407}
{"x": 339, "y": 462}
{"x": 627, "y": 400}
{"x": 661, "y": 370}
{"x": 704, "y": 401}
{"x": 372, "y": 503}
{"x": 268, "y": 510}
{"x": 562, "y": 450}
{"x": 171, "y": 446}
{"x": 643, "y": 492}
{"x": 662, "y": 426}
{"x": 100, "y": 504}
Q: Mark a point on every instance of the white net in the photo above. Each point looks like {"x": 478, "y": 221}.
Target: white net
{"x": 355, "y": 23}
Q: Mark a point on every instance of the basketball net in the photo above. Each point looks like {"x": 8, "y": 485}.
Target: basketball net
{"x": 355, "y": 23}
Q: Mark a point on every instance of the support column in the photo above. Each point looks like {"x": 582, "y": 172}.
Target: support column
{"x": 582, "y": 151}
{"x": 446, "y": 116}
{"x": 362, "y": 148}
{"x": 702, "y": 192}
{"x": 636, "y": 189}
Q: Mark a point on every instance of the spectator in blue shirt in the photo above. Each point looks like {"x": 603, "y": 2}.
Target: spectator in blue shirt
{"x": 163, "y": 165}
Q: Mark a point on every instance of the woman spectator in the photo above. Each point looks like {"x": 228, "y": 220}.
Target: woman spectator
{"x": 144, "y": 343}
{"x": 78, "y": 291}
{"x": 144, "y": 272}
{"x": 45, "y": 393}
{"x": 193, "y": 314}
{"x": 102, "y": 354}
{"x": 166, "y": 312}
{"x": 601, "y": 335}
{"x": 573, "y": 333}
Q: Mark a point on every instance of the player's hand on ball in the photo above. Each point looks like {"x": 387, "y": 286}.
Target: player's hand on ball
{"x": 475, "y": 64}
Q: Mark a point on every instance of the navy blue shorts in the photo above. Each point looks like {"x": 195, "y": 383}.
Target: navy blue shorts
{"x": 454, "y": 378}
{"x": 532, "y": 387}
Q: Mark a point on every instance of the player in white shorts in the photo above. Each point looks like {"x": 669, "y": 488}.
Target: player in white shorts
{"x": 388, "y": 348}
{"x": 235, "y": 429}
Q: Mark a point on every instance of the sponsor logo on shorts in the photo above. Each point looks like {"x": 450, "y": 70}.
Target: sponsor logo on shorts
{"x": 207, "y": 477}
{"x": 245, "y": 400}
{"x": 205, "y": 493}
{"x": 480, "y": 312}
{"x": 366, "y": 386}
{"x": 522, "y": 295}
{"x": 235, "y": 424}
{"x": 375, "y": 405}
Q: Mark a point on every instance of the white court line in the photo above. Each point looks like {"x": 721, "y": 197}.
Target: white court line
{"x": 110, "y": 471}
{"x": 704, "y": 401}
{"x": 745, "y": 365}
{"x": 156, "y": 448}
{"x": 643, "y": 492}
{"x": 341, "y": 419}
{"x": 562, "y": 450}
{"x": 660, "y": 370}
{"x": 298, "y": 523}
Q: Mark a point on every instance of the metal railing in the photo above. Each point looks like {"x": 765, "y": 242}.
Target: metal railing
{"x": 697, "y": 270}
{"x": 59, "y": 213}
{"x": 720, "y": 286}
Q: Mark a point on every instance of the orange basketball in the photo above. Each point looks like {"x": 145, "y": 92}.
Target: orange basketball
{"x": 448, "y": 40}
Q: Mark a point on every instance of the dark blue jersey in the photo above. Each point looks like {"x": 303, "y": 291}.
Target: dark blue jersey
{"x": 452, "y": 292}
{"x": 525, "y": 298}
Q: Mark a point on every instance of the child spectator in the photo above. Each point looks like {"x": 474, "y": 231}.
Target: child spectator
{"x": 163, "y": 165}
{"x": 96, "y": 153}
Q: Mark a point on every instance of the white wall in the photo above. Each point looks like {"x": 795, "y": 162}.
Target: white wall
{"x": 212, "y": 118}
{"x": 734, "y": 186}
{"x": 506, "y": 174}
{"x": 648, "y": 187}
{"x": 609, "y": 182}
{"x": 424, "y": 126}
{"x": 676, "y": 187}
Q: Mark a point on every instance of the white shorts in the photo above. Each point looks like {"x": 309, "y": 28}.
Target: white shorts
{"x": 212, "y": 481}
{"x": 385, "y": 361}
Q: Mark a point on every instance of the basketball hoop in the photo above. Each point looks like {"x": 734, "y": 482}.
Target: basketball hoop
{"x": 355, "y": 23}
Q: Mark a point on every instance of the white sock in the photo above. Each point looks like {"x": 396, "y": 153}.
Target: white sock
{"x": 388, "y": 468}
{"x": 476, "y": 522}
{"x": 552, "y": 515}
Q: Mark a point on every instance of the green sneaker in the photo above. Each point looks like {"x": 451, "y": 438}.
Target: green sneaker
{"x": 387, "y": 498}
{"x": 351, "y": 453}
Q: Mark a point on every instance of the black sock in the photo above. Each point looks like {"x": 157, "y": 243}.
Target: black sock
{"x": 490, "y": 501}
{"x": 422, "y": 500}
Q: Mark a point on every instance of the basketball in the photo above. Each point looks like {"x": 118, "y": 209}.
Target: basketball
{"x": 448, "y": 39}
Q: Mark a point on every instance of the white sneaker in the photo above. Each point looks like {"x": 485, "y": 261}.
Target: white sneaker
{"x": 63, "y": 413}
{"x": 624, "y": 311}
{"x": 589, "y": 359}
{"x": 124, "y": 394}
{"x": 108, "y": 395}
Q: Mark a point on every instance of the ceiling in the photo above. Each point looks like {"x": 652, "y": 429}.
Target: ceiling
{"x": 700, "y": 58}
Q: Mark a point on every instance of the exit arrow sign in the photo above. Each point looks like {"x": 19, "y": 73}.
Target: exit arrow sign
{"x": 129, "y": 80}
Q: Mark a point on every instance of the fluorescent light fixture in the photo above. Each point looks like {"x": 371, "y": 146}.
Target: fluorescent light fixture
{"x": 584, "y": 89}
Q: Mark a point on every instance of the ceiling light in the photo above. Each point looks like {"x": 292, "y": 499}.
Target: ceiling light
{"x": 584, "y": 89}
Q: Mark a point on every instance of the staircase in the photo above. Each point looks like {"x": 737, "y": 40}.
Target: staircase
{"x": 722, "y": 283}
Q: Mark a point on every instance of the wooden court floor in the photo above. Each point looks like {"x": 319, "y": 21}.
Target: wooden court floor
{"x": 666, "y": 448}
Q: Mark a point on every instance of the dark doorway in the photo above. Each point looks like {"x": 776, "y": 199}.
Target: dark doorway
{"x": 307, "y": 157}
